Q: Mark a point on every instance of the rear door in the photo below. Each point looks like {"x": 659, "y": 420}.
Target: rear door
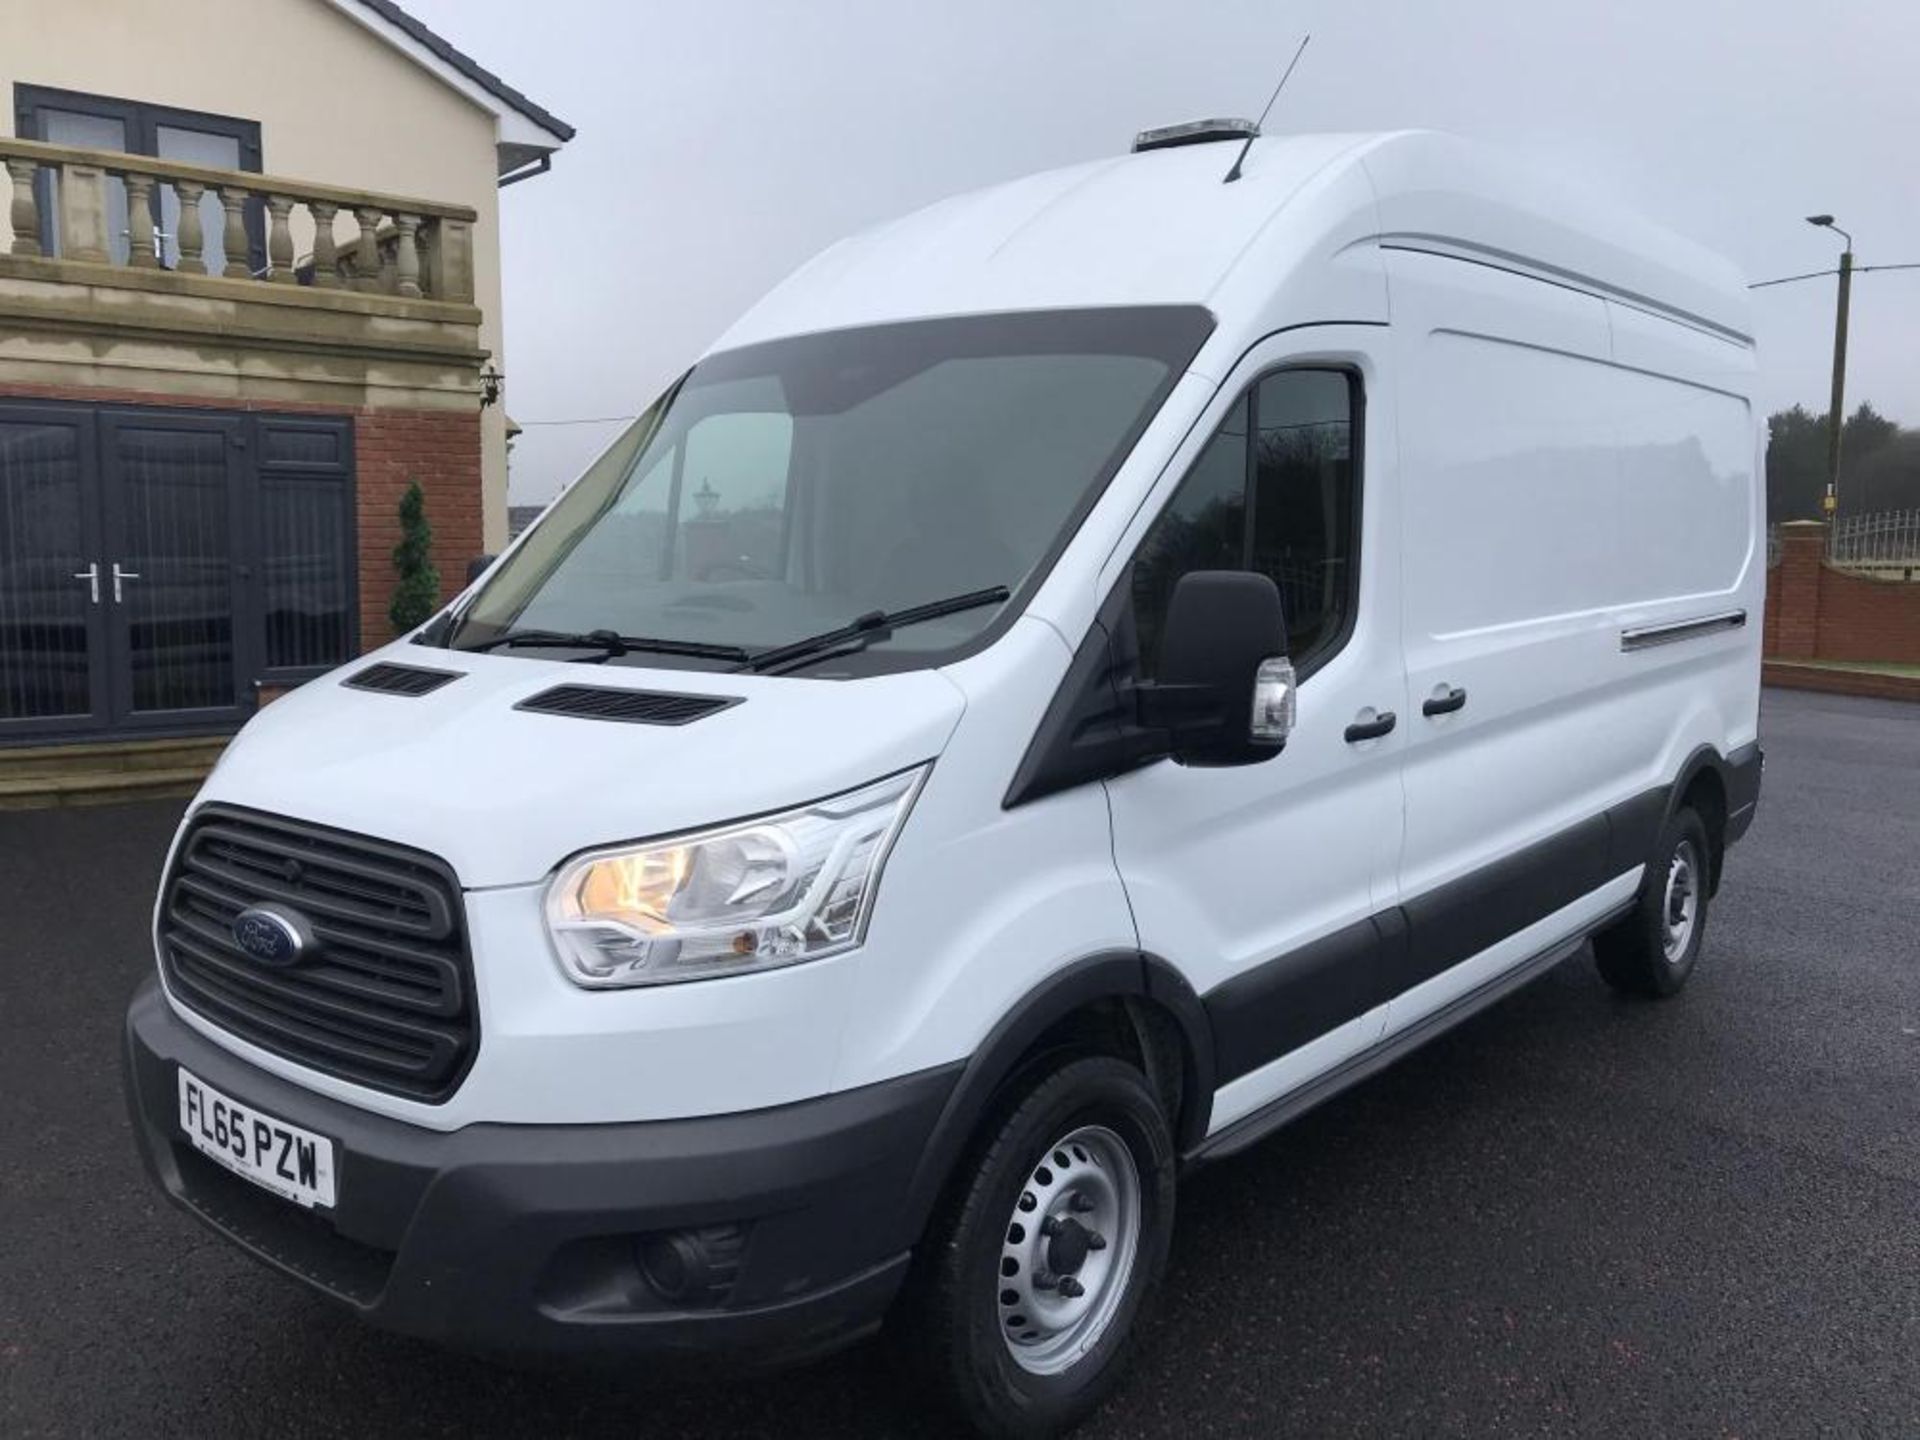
{"x": 1270, "y": 886}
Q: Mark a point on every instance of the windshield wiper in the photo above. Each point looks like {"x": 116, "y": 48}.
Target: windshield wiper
{"x": 863, "y": 631}
{"x": 610, "y": 644}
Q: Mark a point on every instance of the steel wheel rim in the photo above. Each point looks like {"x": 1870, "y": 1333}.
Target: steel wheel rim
{"x": 1680, "y": 904}
{"x": 1068, "y": 1251}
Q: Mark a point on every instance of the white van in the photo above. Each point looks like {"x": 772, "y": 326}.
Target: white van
{"x": 1072, "y": 679}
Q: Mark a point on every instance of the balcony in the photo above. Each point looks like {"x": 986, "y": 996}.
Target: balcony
{"x": 264, "y": 288}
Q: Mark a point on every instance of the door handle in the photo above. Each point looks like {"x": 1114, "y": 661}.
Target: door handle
{"x": 118, "y": 576}
{"x": 1381, "y": 724}
{"x": 92, "y": 576}
{"x": 1454, "y": 699}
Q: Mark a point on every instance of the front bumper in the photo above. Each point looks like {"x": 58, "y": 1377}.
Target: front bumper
{"x": 522, "y": 1239}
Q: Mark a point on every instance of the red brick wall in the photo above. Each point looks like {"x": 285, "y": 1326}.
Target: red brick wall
{"x": 442, "y": 452}
{"x": 439, "y": 448}
{"x": 1793, "y": 593}
{"x": 1868, "y": 619}
{"x": 1815, "y": 612}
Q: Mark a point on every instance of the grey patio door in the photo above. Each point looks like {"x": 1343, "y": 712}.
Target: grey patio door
{"x": 156, "y": 563}
{"x": 53, "y": 634}
{"x": 171, "y": 575}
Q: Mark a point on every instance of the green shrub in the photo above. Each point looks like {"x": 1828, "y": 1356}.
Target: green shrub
{"x": 417, "y": 595}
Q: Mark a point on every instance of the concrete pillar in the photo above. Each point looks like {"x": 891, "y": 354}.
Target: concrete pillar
{"x": 24, "y": 211}
{"x": 83, "y": 214}
{"x": 233, "y": 233}
{"x": 142, "y": 251}
{"x": 192, "y": 238}
{"x": 406, "y": 256}
{"x": 280, "y": 240}
{"x": 326, "y": 255}
{"x": 450, "y": 262}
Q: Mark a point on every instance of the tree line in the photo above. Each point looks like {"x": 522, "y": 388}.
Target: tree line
{"x": 1879, "y": 464}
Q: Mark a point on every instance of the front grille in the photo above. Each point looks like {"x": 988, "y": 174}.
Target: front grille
{"x": 385, "y": 996}
{"x": 635, "y": 707}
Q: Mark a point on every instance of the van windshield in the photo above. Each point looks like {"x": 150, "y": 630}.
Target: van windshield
{"x": 786, "y": 489}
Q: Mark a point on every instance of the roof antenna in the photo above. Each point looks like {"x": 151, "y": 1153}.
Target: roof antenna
{"x": 1234, "y": 173}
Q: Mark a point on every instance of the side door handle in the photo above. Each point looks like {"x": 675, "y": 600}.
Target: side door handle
{"x": 1381, "y": 724}
{"x": 92, "y": 576}
{"x": 118, "y": 576}
{"x": 1454, "y": 699}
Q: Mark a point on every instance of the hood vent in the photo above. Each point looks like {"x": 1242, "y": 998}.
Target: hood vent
{"x": 634, "y": 707}
{"x": 409, "y": 680}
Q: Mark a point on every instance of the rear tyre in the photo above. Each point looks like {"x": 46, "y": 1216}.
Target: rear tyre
{"x": 1047, "y": 1249}
{"x": 1653, "y": 950}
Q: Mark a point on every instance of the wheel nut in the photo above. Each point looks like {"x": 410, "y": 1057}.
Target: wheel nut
{"x": 1042, "y": 1280}
{"x": 1096, "y": 1241}
{"x": 1071, "y": 1288}
{"x": 1050, "y": 1226}
{"x": 1081, "y": 1202}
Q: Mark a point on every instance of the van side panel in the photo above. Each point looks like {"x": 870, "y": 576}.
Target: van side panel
{"x": 1512, "y": 547}
{"x": 1691, "y": 459}
{"x": 1556, "y": 499}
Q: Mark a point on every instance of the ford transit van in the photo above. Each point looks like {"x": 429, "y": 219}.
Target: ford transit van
{"x": 1072, "y": 679}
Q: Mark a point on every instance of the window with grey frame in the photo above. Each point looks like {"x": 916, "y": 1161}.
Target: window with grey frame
{"x": 1275, "y": 491}
{"x": 101, "y": 122}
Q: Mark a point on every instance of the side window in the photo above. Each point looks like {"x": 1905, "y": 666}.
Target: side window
{"x": 1304, "y": 534}
{"x": 1275, "y": 491}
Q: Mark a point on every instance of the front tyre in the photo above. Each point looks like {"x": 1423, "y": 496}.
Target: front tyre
{"x": 1654, "y": 948}
{"x": 1048, "y": 1248}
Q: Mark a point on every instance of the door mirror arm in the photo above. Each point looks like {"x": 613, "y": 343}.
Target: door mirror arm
{"x": 1224, "y": 694}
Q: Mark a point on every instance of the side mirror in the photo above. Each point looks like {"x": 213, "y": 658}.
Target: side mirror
{"x": 1225, "y": 694}
{"x": 477, "y": 566}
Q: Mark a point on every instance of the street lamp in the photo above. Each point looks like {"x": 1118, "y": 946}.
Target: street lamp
{"x": 1830, "y": 502}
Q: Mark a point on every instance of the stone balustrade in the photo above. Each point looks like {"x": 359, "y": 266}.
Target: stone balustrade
{"x": 103, "y": 207}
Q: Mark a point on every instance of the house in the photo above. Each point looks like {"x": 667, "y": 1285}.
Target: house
{"x": 249, "y": 288}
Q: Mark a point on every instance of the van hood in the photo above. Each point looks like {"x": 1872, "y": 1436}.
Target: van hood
{"x": 503, "y": 795}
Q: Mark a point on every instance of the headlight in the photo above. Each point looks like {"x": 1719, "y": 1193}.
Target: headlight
{"x": 752, "y": 896}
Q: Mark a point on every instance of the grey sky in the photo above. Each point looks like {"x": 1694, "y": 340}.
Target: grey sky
{"x": 722, "y": 143}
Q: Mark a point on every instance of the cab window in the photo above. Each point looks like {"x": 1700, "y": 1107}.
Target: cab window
{"x": 1275, "y": 491}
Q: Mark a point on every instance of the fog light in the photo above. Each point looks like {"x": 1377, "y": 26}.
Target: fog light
{"x": 692, "y": 1268}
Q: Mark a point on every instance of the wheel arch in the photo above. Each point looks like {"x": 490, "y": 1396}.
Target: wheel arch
{"x": 1072, "y": 1010}
{"x": 1702, "y": 785}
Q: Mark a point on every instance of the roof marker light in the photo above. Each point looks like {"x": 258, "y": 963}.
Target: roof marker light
{"x": 1194, "y": 132}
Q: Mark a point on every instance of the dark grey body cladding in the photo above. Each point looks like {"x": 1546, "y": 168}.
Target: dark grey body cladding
{"x": 1277, "y": 1007}
{"x": 1742, "y": 775}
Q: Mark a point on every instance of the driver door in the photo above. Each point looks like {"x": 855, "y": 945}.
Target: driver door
{"x": 1272, "y": 886}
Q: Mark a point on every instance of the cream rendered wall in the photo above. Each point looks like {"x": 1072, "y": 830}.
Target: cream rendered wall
{"x": 334, "y": 104}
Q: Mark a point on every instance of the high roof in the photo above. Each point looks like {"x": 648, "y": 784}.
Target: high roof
{"x": 527, "y": 132}
{"x": 1162, "y": 228}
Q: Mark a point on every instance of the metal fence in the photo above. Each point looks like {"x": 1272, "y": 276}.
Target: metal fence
{"x": 1886, "y": 542}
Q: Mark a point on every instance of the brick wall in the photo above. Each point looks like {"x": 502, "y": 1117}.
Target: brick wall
{"x": 1815, "y": 612}
{"x": 439, "y": 448}
{"x": 442, "y": 452}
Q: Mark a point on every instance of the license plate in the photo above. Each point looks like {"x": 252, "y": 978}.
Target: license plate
{"x": 293, "y": 1163}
